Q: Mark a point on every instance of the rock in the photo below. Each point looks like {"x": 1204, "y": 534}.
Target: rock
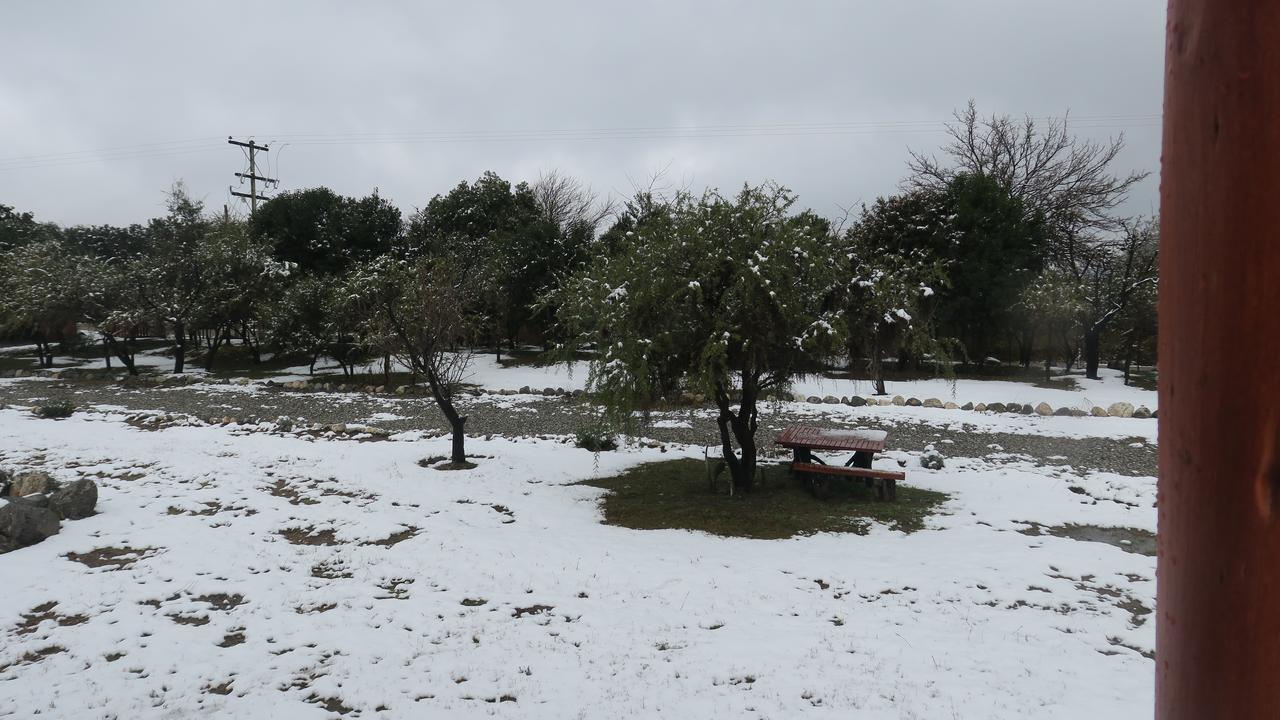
{"x": 932, "y": 403}
{"x": 37, "y": 499}
{"x": 524, "y": 390}
{"x": 338, "y": 428}
{"x": 844, "y": 400}
{"x": 831, "y": 400}
{"x": 813, "y": 399}
{"x": 1142, "y": 413}
{"x": 1013, "y": 407}
{"x": 1098, "y": 412}
{"x": 914, "y": 402}
{"x": 980, "y": 407}
{"x": 996, "y": 407}
{"x": 1062, "y": 412}
{"x": 1120, "y": 409}
{"x": 931, "y": 459}
{"x": 967, "y": 406}
{"x": 22, "y": 524}
{"x": 74, "y": 500}
{"x": 949, "y": 406}
{"x": 899, "y": 400}
{"x": 1077, "y": 412}
{"x": 1153, "y": 414}
{"x": 1026, "y": 409}
{"x": 31, "y": 482}
{"x": 6, "y": 477}
{"x": 1044, "y": 409}
{"x": 857, "y": 401}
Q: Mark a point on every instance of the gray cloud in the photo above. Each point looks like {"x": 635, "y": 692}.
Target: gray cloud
{"x": 89, "y": 76}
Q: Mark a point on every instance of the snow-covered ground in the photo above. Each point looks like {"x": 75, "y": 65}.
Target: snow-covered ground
{"x": 485, "y": 372}
{"x": 1088, "y": 393}
{"x": 256, "y": 575}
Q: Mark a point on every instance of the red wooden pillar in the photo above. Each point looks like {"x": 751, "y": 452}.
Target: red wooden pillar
{"x": 1218, "y": 598}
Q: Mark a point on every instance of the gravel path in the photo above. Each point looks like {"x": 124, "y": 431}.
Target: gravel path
{"x": 530, "y": 415}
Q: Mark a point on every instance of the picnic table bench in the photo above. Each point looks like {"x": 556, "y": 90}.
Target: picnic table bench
{"x": 864, "y": 444}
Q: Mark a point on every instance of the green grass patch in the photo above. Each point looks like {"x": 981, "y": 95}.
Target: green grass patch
{"x": 674, "y": 494}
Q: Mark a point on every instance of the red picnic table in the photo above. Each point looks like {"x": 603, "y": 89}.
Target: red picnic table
{"x": 864, "y": 444}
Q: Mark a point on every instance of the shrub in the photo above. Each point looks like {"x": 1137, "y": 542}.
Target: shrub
{"x": 58, "y": 409}
{"x": 596, "y": 438}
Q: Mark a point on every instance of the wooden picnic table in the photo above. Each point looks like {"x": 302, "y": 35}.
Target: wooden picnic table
{"x": 864, "y": 444}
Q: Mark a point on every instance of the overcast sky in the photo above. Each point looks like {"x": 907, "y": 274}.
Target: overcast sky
{"x": 103, "y": 105}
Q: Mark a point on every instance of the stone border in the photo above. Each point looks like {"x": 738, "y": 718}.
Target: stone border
{"x": 1117, "y": 409}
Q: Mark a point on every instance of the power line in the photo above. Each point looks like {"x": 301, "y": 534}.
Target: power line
{"x": 657, "y": 132}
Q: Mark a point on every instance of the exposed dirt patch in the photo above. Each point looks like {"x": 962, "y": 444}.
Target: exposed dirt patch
{"x": 231, "y": 640}
{"x": 395, "y": 588}
{"x": 394, "y": 538}
{"x": 34, "y": 656}
{"x": 116, "y": 558}
{"x": 223, "y": 688}
{"x": 221, "y": 601}
{"x": 1133, "y": 540}
{"x": 332, "y": 704}
{"x": 330, "y": 570}
{"x": 313, "y": 609}
{"x": 474, "y": 602}
{"x": 532, "y": 610}
{"x": 464, "y": 465}
{"x": 32, "y": 618}
{"x": 309, "y": 536}
{"x": 283, "y": 489}
{"x": 1117, "y": 642}
{"x": 196, "y": 620}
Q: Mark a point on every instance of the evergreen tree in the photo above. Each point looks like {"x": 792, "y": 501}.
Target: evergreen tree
{"x": 729, "y": 297}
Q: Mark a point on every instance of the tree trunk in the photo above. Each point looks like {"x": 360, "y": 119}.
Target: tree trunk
{"x": 213, "y": 349}
{"x": 456, "y": 422}
{"x": 740, "y": 427}
{"x": 877, "y": 368}
{"x": 459, "y": 452}
{"x": 386, "y": 369}
{"x": 113, "y": 347}
{"x": 1128, "y": 358}
{"x": 1092, "y": 351}
{"x": 180, "y": 349}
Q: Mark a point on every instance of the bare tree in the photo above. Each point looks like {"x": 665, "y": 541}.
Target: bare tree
{"x": 426, "y": 309}
{"x": 1116, "y": 270}
{"x": 569, "y": 204}
{"x": 1059, "y": 175}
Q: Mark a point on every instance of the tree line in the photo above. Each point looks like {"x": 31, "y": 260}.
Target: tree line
{"x": 1005, "y": 245}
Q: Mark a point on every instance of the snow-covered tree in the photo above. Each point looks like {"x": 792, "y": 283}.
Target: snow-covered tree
{"x": 42, "y": 293}
{"x": 241, "y": 276}
{"x": 315, "y": 316}
{"x": 727, "y": 297}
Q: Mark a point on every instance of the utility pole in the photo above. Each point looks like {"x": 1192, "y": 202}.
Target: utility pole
{"x": 253, "y": 175}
